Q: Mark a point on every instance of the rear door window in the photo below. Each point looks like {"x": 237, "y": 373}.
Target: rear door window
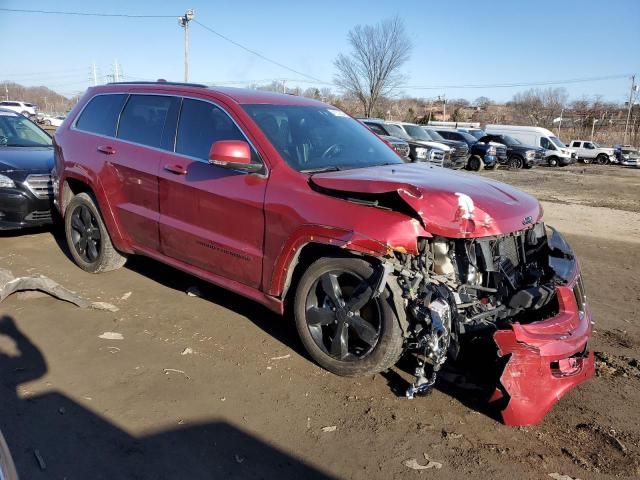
{"x": 101, "y": 114}
{"x": 143, "y": 119}
{"x": 576, "y": 145}
{"x": 201, "y": 124}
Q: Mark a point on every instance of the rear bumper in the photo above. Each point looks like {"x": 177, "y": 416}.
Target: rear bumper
{"x": 20, "y": 210}
{"x": 546, "y": 359}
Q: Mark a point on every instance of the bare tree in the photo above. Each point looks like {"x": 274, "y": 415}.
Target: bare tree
{"x": 372, "y": 69}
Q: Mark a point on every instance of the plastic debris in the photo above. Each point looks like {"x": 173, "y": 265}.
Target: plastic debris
{"x": 329, "y": 429}
{"x": 193, "y": 292}
{"x": 187, "y": 351}
{"x": 283, "y": 357}
{"x": 111, "y": 336}
{"x": 9, "y": 284}
{"x": 560, "y": 476}
{"x": 413, "y": 464}
{"x": 126, "y": 296}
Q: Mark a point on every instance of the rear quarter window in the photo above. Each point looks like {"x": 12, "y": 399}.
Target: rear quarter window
{"x": 100, "y": 116}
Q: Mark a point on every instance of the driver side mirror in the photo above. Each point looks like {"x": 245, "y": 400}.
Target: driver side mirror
{"x": 234, "y": 155}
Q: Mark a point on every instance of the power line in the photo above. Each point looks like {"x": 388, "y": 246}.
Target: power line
{"x": 523, "y": 84}
{"x": 257, "y": 54}
{"x": 83, "y": 14}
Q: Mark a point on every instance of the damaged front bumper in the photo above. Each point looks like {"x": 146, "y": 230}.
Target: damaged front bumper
{"x": 547, "y": 358}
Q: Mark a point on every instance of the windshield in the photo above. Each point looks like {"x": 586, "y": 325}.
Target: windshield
{"x": 478, "y": 134}
{"x": 435, "y": 136}
{"x": 557, "y": 142}
{"x": 417, "y": 132}
{"x": 320, "y": 138}
{"x": 396, "y": 131}
{"x": 18, "y": 131}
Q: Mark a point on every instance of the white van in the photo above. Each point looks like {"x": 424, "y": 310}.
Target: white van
{"x": 556, "y": 152}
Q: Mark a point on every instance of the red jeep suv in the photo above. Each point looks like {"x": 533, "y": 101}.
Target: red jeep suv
{"x": 287, "y": 200}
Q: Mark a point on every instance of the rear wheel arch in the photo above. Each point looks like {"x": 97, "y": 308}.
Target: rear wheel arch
{"x": 73, "y": 186}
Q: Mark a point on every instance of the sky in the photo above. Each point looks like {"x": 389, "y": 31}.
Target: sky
{"x": 454, "y": 43}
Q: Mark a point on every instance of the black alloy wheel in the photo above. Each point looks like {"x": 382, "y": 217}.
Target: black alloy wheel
{"x": 85, "y": 234}
{"x": 342, "y": 320}
{"x": 343, "y": 324}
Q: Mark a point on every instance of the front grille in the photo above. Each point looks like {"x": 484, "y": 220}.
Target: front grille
{"x": 461, "y": 151}
{"x": 402, "y": 150}
{"x": 39, "y": 216}
{"x": 40, "y": 185}
{"x": 436, "y": 156}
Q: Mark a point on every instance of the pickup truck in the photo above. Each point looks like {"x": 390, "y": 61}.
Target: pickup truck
{"x": 592, "y": 152}
{"x": 519, "y": 155}
{"x": 488, "y": 155}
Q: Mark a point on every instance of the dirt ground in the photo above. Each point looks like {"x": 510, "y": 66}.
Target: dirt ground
{"x": 218, "y": 387}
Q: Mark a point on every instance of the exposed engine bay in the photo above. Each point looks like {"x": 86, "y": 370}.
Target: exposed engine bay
{"x": 464, "y": 287}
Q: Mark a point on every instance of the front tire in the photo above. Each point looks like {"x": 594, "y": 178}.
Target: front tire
{"x": 516, "y": 162}
{"x": 87, "y": 236}
{"x": 552, "y": 161}
{"x": 602, "y": 159}
{"x": 342, "y": 327}
{"x": 474, "y": 163}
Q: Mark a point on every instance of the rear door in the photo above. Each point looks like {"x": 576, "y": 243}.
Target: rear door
{"x": 211, "y": 217}
{"x": 134, "y": 158}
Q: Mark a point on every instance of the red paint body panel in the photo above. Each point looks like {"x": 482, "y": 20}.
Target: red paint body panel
{"x": 434, "y": 194}
{"x": 245, "y": 231}
{"x": 547, "y": 359}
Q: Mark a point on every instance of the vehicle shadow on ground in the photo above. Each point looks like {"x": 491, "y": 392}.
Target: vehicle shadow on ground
{"x": 52, "y": 436}
{"x": 463, "y": 380}
{"x": 280, "y": 328}
{"x": 471, "y": 379}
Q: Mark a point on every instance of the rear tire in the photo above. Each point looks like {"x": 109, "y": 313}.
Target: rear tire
{"x": 346, "y": 341}
{"x": 87, "y": 236}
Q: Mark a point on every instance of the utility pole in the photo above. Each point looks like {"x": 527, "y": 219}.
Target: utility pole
{"x": 184, "y": 23}
{"x": 94, "y": 74}
{"x": 284, "y": 86}
{"x": 634, "y": 87}
{"x": 593, "y": 127}
{"x": 116, "y": 72}
{"x": 6, "y": 91}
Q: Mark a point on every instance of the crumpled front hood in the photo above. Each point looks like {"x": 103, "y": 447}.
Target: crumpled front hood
{"x": 450, "y": 204}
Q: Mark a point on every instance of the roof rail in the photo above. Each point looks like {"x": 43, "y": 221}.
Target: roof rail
{"x": 160, "y": 82}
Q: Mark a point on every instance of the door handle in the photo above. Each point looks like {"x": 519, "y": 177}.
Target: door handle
{"x": 106, "y": 149}
{"x": 176, "y": 169}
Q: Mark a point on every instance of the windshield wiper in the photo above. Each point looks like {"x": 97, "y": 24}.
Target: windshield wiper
{"x": 331, "y": 168}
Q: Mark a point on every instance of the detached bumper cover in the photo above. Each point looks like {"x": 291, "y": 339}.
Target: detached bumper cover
{"x": 548, "y": 358}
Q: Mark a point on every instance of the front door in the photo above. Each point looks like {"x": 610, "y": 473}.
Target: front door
{"x": 211, "y": 217}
